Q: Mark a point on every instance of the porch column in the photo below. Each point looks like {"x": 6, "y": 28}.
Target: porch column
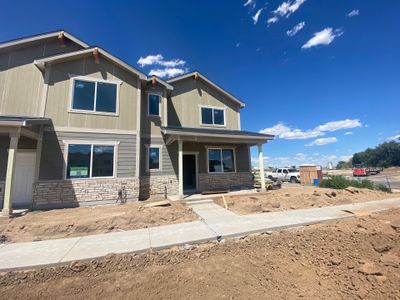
{"x": 261, "y": 166}
{"x": 7, "y": 206}
{"x": 180, "y": 172}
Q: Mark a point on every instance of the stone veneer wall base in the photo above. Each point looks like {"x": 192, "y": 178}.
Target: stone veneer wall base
{"x": 158, "y": 186}
{"x": 228, "y": 181}
{"x": 83, "y": 192}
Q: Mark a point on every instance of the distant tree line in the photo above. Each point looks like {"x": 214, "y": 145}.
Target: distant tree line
{"x": 385, "y": 155}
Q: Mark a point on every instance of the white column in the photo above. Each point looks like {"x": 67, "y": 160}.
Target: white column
{"x": 180, "y": 165}
{"x": 39, "y": 143}
{"x": 12, "y": 151}
{"x": 261, "y": 166}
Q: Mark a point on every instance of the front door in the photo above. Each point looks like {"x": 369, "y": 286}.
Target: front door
{"x": 24, "y": 176}
{"x": 189, "y": 172}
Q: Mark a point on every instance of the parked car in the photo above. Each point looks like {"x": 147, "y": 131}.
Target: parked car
{"x": 361, "y": 170}
{"x": 284, "y": 174}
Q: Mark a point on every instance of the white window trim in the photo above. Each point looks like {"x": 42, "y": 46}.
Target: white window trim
{"x": 95, "y": 80}
{"x": 212, "y": 107}
{"x": 160, "y": 149}
{"x": 91, "y": 143}
{"x": 221, "y": 148}
{"x": 159, "y": 104}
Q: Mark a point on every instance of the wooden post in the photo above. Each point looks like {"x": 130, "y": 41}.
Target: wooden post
{"x": 261, "y": 167}
{"x": 12, "y": 151}
{"x": 180, "y": 163}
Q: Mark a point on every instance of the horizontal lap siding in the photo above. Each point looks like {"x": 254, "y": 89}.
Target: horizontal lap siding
{"x": 169, "y": 156}
{"x": 52, "y": 162}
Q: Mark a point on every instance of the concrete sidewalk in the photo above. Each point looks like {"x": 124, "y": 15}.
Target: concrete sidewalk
{"x": 216, "y": 223}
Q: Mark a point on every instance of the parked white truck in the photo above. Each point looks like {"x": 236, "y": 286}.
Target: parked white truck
{"x": 284, "y": 174}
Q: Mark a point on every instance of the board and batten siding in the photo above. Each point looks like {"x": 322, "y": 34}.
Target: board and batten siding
{"x": 187, "y": 98}
{"x": 59, "y": 95}
{"x": 52, "y": 163}
{"x": 21, "y": 82}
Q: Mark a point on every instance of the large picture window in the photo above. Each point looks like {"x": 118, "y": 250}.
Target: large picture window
{"x": 154, "y": 105}
{"x": 221, "y": 160}
{"x": 94, "y": 96}
{"x": 212, "y": 116}
{"x": 90, "y": 161}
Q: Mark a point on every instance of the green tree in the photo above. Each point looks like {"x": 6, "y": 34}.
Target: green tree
{"x": 384, "y": 155}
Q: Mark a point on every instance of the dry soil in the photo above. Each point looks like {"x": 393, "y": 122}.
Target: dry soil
{"x": 354, "y": 259}
{"x": 297, "y": 197}
{"x": 61, "y": 223}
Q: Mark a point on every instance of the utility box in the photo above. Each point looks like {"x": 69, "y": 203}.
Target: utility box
{"x": 309, "y": 174}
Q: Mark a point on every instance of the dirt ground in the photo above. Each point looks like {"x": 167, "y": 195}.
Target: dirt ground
{"x": 297, "y": 197}
{"x": 61, "y": 223}
{"x": 356, "y": 259}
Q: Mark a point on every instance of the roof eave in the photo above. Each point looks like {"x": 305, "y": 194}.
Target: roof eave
{"x": 184, "y": 76}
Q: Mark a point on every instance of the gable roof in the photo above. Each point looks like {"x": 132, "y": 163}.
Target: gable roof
{"x": 41, "y": 63}
{"x": 196, "y": 75}
{"x": 42, "y": 36}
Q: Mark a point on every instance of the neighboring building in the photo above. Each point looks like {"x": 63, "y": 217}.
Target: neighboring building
{"x": 78, "y": 126}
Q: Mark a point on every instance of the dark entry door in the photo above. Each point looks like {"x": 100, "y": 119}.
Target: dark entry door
{"x": 189, "y": 172}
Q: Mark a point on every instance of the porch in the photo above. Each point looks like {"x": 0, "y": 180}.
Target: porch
{"x": 209, "y": 159}
{"x": 20, "y": 148}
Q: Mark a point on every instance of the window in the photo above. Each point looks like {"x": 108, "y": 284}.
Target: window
{"x": 221, "y": 160}
{"x": 212, "y": 116}
{"x": 154, "y": 158}
{"x": 154, "y": 105}
{"x": 87, "y": 161}
{"x": 96, "y": 96}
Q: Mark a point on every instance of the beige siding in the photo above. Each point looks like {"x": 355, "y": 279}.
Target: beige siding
{"x": 59, "y": 94}
{"x": 151, "y": 124}
{"x": 187, "y": 98}
{"x": 21, "y": 82}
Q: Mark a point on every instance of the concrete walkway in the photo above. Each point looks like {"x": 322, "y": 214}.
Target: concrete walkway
{"x": 216, "y": 223}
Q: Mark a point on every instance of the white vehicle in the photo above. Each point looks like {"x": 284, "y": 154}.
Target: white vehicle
{"x": 284, "y": 174}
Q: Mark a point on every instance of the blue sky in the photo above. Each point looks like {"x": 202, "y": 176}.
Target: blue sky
{"x": 328, "y": 90}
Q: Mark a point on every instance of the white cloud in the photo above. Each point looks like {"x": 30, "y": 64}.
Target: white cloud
{"x": 353, "y": 13}
{"x": 322, "y": 141}
{"x": 250, "y": 3}
{"x": 296, "y": 29}
{"x": 150, "y": 60}
{"x": 394, "y": 138}
{"x": 167, "y": 72}
{"x": 337, "y": 125}
{"x": 323, "y": 37}
{"x": 170, "y": 67}
{"x": 159, "y": 60}
{"x": 285, "y": 9}
{"x": 272, "y": 20}
{"x": 301, "y": 158}
{"x": 283, "y": 131}
{"x": 345, "y": 157}
{"x": 348, "y": 133}
{"x": 257, "y": 15}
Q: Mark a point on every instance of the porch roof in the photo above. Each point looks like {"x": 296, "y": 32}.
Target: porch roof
{"x": 214, "y": 135}
{"x": 21, "y": 121}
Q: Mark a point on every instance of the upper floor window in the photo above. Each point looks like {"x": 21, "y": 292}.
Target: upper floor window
{"x": 212, "y": 116}
{"x": 154, "y": 105}
{"x": 94, "y": 96}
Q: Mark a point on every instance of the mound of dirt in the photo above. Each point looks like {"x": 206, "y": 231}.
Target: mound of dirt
{"x": 300, "y": 197}
{"x": 61, "y": 223}
{"x": 355, "y": 258}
